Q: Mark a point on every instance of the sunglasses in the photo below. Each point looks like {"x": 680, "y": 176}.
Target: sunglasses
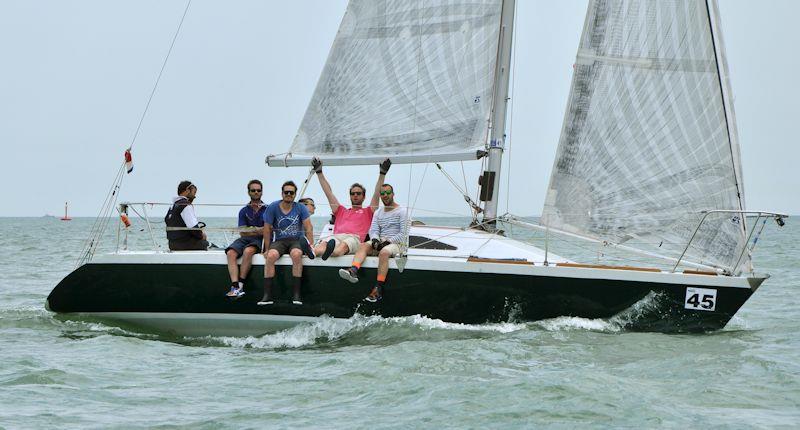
{"x": 356, "y": 193}
{"x": 386, "y": 193}
{"x": 288, "y": 193}
{"x": 254, "y": 191}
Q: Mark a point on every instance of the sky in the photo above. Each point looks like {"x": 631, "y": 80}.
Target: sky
{"x": 75, "y": 77}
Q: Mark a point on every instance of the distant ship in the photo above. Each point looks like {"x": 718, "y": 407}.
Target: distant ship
{"x": 66, "y": 213}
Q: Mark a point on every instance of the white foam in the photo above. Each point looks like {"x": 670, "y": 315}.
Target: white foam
{"x": 577, "y": 323}
{"x": 330, "y": 329}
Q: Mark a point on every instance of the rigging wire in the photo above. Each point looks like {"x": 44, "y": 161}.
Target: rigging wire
{"x": 161, "y": 72}
{"x": 109, "y": 204}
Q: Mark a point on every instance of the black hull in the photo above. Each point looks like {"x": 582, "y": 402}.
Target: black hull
{"x": 469, "y": 298}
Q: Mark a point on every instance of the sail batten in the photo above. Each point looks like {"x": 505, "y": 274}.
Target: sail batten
{"x": 404, "y": 78}
{"x": 648, "y": 142}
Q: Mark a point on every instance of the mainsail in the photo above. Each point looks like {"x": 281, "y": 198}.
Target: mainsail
{"x": 411, "y": 80}
{"x": 649, "y": 137}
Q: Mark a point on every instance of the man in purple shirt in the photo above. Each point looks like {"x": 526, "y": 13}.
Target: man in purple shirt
{"x": 249, "y": 244}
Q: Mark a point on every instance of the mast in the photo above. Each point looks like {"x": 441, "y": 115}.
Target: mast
{"x": 490, "y": 178}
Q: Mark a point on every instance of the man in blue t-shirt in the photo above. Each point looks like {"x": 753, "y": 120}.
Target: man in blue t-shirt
{"x": 290, "y": 225}
{"x": 249, "y": 244}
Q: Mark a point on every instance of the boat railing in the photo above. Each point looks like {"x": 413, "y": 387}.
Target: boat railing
{"x": 141, "y": 212}
{"x": 556, "y": 237}
{"x": 744, "y": 215}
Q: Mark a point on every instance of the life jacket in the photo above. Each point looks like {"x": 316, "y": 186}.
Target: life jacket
{"x": 174, "y": 219}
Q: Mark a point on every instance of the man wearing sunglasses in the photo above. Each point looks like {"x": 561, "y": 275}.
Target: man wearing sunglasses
{"x": 249, "y": 244}
{"x": 352, "y": 224}
{"x": 387, "y": 239}
{"x": 289, "y": 223}
{"x": 181, "y": 216}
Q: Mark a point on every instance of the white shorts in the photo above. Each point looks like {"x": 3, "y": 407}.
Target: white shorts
{"x": 351, "y": 240}
{"x": 392, "y": 247}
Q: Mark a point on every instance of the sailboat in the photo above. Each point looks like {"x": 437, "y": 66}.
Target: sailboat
{"x": 66, "y": 212}
{"x": 648, "y": 162}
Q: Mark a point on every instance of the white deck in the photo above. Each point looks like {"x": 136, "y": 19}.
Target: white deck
{"x": 476, "y": 252}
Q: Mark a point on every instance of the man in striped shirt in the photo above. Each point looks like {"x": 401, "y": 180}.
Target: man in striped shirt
{"x": 387, "y": 239}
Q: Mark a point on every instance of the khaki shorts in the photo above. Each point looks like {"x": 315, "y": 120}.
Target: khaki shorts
{"x": 352, "y": 241}
{"x": 393, "y": 248}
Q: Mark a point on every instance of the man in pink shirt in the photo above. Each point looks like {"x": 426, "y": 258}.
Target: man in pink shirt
{"x": 352, "y": 224}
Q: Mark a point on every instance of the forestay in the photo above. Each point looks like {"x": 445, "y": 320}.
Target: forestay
{"x": 649, "y": 137}
{"x": 411, "y": 80}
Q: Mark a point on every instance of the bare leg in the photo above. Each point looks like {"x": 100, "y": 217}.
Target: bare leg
{"x": 272, "y": 257}
{"x": 320, "y": 248}
{"x": 297, "y": 262}
{"x": 383, "y": 263}
{"x": 247, "y": 261}
{"x": 233, "y": 268}
{"x": 341, "y": 249}
{"x": 362, "y": 252}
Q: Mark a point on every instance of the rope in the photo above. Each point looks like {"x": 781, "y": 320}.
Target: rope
{"x": 158, "y": 79}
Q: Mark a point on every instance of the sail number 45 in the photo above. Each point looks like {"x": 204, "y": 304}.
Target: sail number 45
{"x": 701, "y": 299}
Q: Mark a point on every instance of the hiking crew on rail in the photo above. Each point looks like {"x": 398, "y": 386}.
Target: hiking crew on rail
{"x": 180, "y": 217}
{"x": 351, "y": 224}
{"x": 387, "y": 239}
{"x": 250, "y": 240}
{"x": 289, "y": 223}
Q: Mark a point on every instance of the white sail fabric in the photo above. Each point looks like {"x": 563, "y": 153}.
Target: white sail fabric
{"x": 404, "y": 77}
{"x": 649, "y": 138}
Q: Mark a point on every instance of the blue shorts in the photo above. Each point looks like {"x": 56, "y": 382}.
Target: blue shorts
{"x": 241, "y": 243}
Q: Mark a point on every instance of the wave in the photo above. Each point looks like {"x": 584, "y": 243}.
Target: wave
{"x": 364, "y": 330}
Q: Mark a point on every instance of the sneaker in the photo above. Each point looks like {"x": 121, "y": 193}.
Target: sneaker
{"x": 350, "y": 274}
{"x": 307, "y": 249}
{"x": 236, "y": 291}
{"x": 296, "y": 299}
{"x": 374, "y": 295}
{"x": 329, "y": 247}
{"x": 267, "y": 299}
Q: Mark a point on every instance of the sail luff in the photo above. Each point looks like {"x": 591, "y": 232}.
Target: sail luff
{"x": 491, "y": 176}
{"x": 727, "y": 96}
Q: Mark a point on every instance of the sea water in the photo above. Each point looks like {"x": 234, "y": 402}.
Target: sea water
{"x": 372, "y": 372}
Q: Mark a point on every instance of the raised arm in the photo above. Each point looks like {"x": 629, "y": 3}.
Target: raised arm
{"x": 326, "y": 187}
{"x": 376, "y": 195}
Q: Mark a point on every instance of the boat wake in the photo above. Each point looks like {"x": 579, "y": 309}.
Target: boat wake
{"x": 365, "y": 330}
